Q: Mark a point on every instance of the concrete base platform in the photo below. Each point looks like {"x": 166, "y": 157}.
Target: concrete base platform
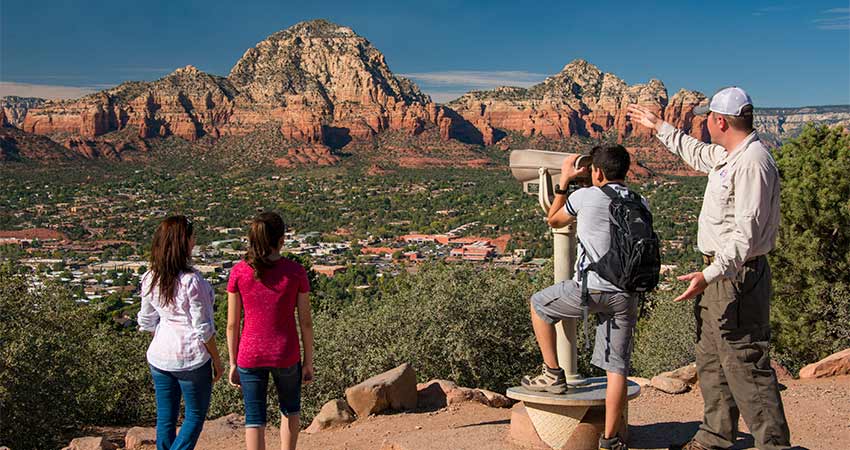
{"x": 571, "y": 421}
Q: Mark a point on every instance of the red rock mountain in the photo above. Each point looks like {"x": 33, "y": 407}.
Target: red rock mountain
{"x": 581, "y": 100}
{"x": 317, "y": 81}
{"x": 323, "y": 86}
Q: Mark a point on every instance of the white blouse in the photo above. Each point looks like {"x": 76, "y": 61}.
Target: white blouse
{"x": 181, "y": 329}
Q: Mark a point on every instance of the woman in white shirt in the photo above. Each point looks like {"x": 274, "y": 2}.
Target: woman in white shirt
{"x": 177, "y": 307}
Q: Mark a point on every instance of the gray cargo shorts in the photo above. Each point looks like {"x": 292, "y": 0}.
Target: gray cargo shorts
{"x": 617, "y": 313}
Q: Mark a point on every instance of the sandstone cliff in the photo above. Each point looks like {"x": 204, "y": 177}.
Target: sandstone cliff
{"x": 186, "y": 103}
{"x": 319, "y": 86}
{"x": 15, "y": 108}
{"x": 318, "y": 82}
{"x": 580, "y": 100}
{"x": 778, "y": 124}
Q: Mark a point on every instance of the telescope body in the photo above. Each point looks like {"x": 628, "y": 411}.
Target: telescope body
{"x": 526, "y": 164}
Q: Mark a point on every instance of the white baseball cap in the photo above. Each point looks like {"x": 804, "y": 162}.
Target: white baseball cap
{"x": 728, "y": 101}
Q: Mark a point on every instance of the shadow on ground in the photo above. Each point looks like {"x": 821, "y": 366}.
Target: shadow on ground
{"x": 667, "y": 434}
{"x": 492, "y": 422}
{"x": 661, "y": 435}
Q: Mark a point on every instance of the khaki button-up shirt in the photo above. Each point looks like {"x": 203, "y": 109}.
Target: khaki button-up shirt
{"x": 740, "y": 211}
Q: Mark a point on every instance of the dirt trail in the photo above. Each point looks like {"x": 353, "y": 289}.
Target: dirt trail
{"x": 818, "y": 412}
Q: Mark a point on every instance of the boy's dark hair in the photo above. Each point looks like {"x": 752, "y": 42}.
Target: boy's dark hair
{"x": 614, "y": 160}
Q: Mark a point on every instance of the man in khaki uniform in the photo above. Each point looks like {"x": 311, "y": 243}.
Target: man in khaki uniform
{"x": 737, "y": 228}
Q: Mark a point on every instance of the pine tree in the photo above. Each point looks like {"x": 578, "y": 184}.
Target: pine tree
{"x": 811, "y": 264}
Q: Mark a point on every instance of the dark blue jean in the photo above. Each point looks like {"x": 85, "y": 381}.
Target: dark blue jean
{"x": 255, "y": 384}
{"x": 196, "y": 389}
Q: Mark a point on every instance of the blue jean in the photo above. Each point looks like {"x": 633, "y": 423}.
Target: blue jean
{"x": 196, "y": 388}
{"x": 255, "y": 383}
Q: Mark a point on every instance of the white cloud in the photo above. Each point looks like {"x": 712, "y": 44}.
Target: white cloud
{"x": 773, "y": 9}
{"x": 47, "y": 91}
{"x": 835, "y": 19}
{"x": 474, "y": 79}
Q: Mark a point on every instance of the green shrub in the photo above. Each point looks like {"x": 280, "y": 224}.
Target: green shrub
{"x": 61, "y": 369}
{"x": 665, "y": 335}
{"x": 811, "y": 264}
{"x": 457, "y": 322}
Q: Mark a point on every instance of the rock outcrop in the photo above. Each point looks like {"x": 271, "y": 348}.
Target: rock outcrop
{"x": 320, "y": 86}
{"x": 669, "y": 385}
{"x": 436, "y": 394}
{"x": 90, "y": 443}
{"x": 580, "y": 100}
{"x": 187, "y": 103}
{"x": 138, "y": 437}
{"x": 14, "y": 108}
{"x": 687, "y": 374}
{"x": 775, "y": 125}
{"x": 318, "y": 82}
{"x": 334, "y": 413}
{"x": 394, "y": 389}
{"x": 676, "y": 381}
{"x": 833, "y": 365}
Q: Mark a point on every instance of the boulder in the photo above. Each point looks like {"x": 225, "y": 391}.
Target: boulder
{"x": 460, "y": 395}
{"x": 687, "y": 374}
{"x": 669, "y": 385}
{"x": 91, "y": 443}
{"x": 434, "y": 394}
{"x": 333, "y": 414}
{"x": 494, "y": 399}
{"x": 394, "y": 389}
{"x": 833, "y": 365}
{"x": 139, "y": 436}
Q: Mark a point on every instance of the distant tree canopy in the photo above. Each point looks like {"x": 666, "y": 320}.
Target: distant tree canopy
{"x": 811, "y": 264}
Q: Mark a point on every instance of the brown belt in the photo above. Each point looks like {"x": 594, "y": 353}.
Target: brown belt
{"x": 708, "y": 259}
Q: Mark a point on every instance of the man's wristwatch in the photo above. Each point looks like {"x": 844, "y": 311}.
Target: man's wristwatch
{"x": 560, "y": 191}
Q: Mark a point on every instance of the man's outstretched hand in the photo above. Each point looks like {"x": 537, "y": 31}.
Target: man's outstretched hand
{"x": 644, "y": 117}
{"x": 696, "y": 287}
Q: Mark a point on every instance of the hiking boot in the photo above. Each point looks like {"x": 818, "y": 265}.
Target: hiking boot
{"x": 613, "y": 443}
{"x": 690, "y": 445}
{"x": 551, "y": 380}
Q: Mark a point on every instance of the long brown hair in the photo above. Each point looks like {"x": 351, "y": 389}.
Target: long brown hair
{"x": 263, "y": 240}
{"x": 170, "y": 256}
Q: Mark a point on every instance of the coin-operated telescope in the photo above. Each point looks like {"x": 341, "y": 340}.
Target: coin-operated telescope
{"x": 538, "y": 171}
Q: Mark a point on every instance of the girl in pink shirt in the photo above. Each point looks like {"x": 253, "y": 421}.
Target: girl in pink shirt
{"x": 269, "y": 288}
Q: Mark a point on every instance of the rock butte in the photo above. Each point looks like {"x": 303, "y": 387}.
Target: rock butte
{"x": 322, "y": 84}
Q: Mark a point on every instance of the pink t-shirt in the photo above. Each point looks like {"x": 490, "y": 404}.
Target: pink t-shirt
{"x": 269, "y": 337}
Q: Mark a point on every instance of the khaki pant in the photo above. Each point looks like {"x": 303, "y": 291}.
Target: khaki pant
{"x": 735, "y": 376}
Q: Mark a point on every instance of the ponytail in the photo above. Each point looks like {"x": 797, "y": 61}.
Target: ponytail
{"x": 263, "y": 240}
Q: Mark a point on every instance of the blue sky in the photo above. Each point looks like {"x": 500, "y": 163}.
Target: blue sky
{"x": 782, "y": 53}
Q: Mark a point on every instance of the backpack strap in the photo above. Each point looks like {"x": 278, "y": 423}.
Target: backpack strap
{"x": 614, "y": 195}
{"x": 585, "y": 293}
{"x": 610, "y": 192}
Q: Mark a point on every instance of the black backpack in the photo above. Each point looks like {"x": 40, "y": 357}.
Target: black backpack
{"x": 633, "y": 261}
